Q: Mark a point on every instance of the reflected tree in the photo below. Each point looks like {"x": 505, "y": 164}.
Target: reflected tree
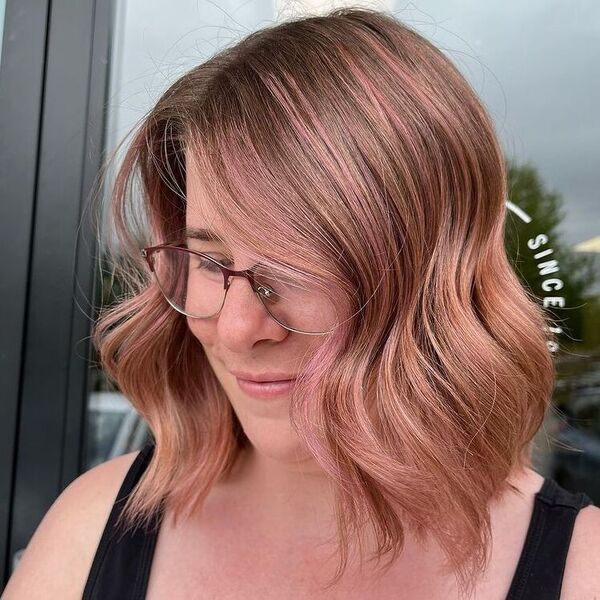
{"x": 578, "y": 272}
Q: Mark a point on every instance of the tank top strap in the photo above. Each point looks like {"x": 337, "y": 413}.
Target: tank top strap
{"x": 541, "y": 566}
{"x": 122, "y": 562}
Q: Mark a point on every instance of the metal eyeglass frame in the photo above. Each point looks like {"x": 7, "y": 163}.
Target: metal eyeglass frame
{"x": 248, "y": 274}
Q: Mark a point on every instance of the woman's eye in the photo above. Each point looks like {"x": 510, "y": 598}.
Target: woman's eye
{"x": 224, "y": 261}
{"x": 208, "y": 265}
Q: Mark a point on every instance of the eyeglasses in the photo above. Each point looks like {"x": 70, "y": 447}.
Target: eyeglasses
{"x": 195, "y": 284}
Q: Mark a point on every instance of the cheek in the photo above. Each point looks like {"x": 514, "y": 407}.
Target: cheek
{"x": 204, "y": 332}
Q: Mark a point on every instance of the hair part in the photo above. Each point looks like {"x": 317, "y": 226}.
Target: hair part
{"x": 347, "y": 149}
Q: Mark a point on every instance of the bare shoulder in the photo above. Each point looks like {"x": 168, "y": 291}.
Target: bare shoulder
{"x": 582, "y": 576}
{"x": 59, "y": 555}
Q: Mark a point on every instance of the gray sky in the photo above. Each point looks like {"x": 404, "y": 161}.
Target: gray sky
{"x": 534, "y": 65}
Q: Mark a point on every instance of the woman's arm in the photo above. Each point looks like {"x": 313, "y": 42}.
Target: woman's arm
{"x": 581, "y": 580}
{"x": 58, "y": 558}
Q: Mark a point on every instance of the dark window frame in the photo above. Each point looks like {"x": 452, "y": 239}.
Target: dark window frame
{"x": 54, "y": 72}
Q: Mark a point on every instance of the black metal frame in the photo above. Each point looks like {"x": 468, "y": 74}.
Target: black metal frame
{"x": 53, "y": 82}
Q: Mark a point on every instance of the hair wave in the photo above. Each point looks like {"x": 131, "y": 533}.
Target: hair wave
{"x": 345, "y": 148}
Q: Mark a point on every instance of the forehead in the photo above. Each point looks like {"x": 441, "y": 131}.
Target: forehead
{"x": 203, "y": 222}
{"x": 199, "y": 214}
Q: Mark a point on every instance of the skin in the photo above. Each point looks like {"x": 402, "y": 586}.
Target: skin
{"x": 278, "y": 499}
{"x": 245, "y": 338}
{"x": 263, "y": 533}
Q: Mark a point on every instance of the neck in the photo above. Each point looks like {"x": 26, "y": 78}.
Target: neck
{"x": 289, "y": 496}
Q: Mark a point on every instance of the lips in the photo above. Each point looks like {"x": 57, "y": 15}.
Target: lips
{"x": 266, "y": 389}
{"x": 263, "y": 377}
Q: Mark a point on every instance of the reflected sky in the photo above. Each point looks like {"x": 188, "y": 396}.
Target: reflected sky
{"x": 2, "y": 10}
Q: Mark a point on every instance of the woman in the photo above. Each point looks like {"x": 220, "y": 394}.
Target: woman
{"x": 344, "y": 168}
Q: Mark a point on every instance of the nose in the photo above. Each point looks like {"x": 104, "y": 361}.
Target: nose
{"x": 243, "y": 318}
{"x": 240, "y": 295}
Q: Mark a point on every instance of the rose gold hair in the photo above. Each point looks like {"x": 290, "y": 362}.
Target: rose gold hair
{"x": 348, "y": 149}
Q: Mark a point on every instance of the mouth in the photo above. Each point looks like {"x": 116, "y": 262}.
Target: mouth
{"x": 266, "y": 377}
{"x": 266, "y": 389}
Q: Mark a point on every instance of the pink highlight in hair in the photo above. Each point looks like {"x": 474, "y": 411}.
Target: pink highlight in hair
{"x": 351, "y": 144}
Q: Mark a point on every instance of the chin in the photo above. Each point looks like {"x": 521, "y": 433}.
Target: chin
{"x": 266, "y": 422}
{"x": 274, "y": 439}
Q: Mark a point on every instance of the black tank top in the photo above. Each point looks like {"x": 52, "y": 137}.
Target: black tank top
{"x": 121, "y": 566}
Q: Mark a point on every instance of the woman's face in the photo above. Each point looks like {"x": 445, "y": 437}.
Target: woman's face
{"x": 244, "y": 337}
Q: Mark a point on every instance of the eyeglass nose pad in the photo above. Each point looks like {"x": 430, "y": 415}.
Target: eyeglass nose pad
{"x": 228, "y": 279}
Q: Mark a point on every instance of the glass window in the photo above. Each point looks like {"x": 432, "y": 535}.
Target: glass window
{"x": 2, "y": 11}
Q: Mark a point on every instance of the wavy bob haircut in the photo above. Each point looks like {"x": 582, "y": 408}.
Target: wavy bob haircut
{"x": 342, "y": 148}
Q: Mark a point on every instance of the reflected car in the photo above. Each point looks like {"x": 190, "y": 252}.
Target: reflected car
{"x": 114, "y": 428}
{"x": 577, "y": 466}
